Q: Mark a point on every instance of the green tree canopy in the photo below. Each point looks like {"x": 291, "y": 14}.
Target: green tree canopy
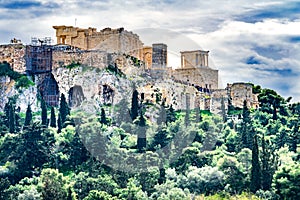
{"x": 53, "y": 185}
{"x": 28, "y": 117}
{"x": 270, "y": 102}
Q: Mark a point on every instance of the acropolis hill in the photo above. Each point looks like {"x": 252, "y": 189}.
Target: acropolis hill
{"x": 61, "y": 68}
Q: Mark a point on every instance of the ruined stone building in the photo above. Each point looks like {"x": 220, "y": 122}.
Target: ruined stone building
{"x": 109, "y": 40}
{"x": 194, "y": 59}
{"x": 117, "y": 47}
{"x": 240, "y": 92}
{"x": 195, "y": 70}
{"x": 159, "y": 55}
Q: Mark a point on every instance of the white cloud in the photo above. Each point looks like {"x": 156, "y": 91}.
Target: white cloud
{"x": 236, "y": 41}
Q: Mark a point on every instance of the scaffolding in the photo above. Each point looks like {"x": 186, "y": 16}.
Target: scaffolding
{"x": 38, "y": 59}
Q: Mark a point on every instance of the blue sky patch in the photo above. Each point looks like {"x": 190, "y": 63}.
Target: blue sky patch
{"x": 272, "y": 51}
{"x": 289, "y": 10}
{"x": 20, "y": 4}
{"x": 283, "y": 72}
{"x": 252, "y": 61}
{"x": 294, "y": 39}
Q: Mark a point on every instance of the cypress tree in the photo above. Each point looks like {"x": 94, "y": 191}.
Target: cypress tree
{"x": 103, "y": 117}
{"x": 11, "y": 118}
{"x": 134, "y": 105}
{"x": 255, "y": 183}
{"x": 17, "y": 119}
{"x": 267, "y": 162}
{"x": 198, "y": 117}
{"x": 64, "y": 109}
{"x": 52, "y": 118}
{"x": 187, "y": 117}
{"x": 78, "y": 152}
{"x": 44, "y": 113}
{"x": 162, "y": 114}
{"x": 294, "y": 136}
{"x": 223, "y": 110}
{"x": 246, "y": 130}
{"x": 141, "y": 140}
{"x": 28, "y": 117}
{"x": 171, "y": 116}
{"x": 6, "y": 111}
{"x": 59, "y": 123}
{"x": 246, "y": 112}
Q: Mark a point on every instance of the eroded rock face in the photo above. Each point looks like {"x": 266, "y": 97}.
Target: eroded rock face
{"x": 96, "y": 85}
{"x": 48, "y": 88}
{"x": 76, "y": 96}
{"x": 25, "y": 96}
{"x": 107, "y": 88}
{"x": 28, "y": 96}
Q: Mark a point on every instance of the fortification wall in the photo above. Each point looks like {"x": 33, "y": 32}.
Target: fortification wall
{"x": 239, "y": 92}
{"x": 95, "y": 58}
{"x": 177, "y": 94}
{"x": 203, "y": 77}
{"x": 117, "y": 42}
{"x": 106, "y": 42}
{"x": 14, "y": 54}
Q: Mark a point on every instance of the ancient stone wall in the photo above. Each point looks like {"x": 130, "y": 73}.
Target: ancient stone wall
{"x": 93, "y": 58}
{"x": 203, "y": 77}
{"x": 14, "y": 55}
{"x": 176, "y": 93}
{"x": 106, "y": 42}
{"x": 239, "y": 92}
{"x": 110, "y": 40}
{"x": 147, "y": 57}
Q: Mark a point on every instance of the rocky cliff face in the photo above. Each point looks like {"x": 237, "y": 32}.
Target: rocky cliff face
{"x": 110, "y": 83}
{"x": 92, "y": 84}
{"x": 25, "y": 96}
{"x": 102, "y": 86}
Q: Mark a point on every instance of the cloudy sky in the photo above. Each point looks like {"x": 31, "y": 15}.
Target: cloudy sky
{"x": 249, "y": 40}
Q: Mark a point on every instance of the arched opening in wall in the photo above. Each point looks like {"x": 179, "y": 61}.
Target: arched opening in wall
{"x": 107, "y": 94}
{"x": 49, "y": 91}
{"x": 76, "y": 96}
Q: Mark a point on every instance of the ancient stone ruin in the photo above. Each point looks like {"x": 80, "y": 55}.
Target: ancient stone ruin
{"x": 77, "y": 65}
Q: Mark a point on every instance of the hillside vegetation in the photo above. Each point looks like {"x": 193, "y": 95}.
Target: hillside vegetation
{"x": 122, "y": 153}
